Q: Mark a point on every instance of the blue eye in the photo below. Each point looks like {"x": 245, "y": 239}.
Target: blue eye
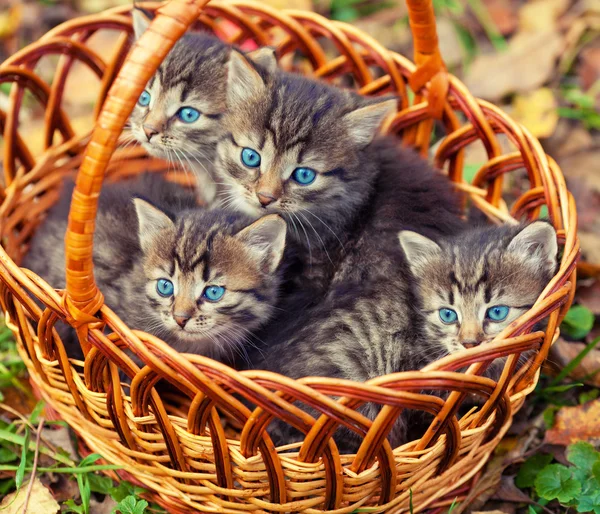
{"x": 448, "y": 316}
{"x": 497, "y": 312}
{"x": 188, "y": 114}
{"x": 213, "y": 293}
{"x": 304, "y": 176}
{"x": 250, "y": 158}
{"x": 144, "y": 99}
{"x": 164, "y": 287}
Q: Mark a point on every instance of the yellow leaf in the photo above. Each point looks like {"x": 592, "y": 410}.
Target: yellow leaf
{"x": 537, "y": 112}
{"x": 9, "y": 21}
{"x": 41, "y": 500}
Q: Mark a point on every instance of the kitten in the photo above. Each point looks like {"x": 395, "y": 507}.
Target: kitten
{"x": 200, "y": 280}
{"x": 311, "y": 153}
{"x": 178, "y": 116}
{"x": 445, "y": 296}
{"x": 472, "y": 287}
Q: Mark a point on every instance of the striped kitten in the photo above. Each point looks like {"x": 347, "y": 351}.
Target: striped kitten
{"x": 445, "y": 296}
{"x": 200, "y": 280}
{"x": 311, "y": 152}
{"x": 479, "y": 283}
{"x": 178, "y": 116}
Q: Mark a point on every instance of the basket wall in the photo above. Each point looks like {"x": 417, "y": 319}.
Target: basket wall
{"x": 175, "y": 445}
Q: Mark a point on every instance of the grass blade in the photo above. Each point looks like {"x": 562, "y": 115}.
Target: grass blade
{"x": 21, "y": 468}
{"x": 566, "y": 371}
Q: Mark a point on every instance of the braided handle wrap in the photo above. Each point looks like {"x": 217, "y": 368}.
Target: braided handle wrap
{"x": 83, "y": 298}
{"x": 430, "y": 65}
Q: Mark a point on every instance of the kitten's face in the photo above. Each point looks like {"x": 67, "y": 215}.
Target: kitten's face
{"x": 205, "y": 285}
{"x": 473, "y": 288}
{"x": 292, "y": 145}
{"x": 178, "y": 115}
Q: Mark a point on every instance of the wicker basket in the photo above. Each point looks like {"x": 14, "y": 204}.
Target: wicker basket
{"x": 175, "y": 445}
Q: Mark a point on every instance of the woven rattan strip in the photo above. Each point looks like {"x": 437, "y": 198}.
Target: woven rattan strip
{"x": 175, "y": 444}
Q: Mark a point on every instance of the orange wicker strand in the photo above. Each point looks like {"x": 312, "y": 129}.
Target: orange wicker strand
{"x": 183, "y": 428}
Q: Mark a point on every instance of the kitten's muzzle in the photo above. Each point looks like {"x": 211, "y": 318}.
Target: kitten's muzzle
{"x": 470, "y": 343}
{"x": 149, "y": 130}
{"x": 181, "y": 319}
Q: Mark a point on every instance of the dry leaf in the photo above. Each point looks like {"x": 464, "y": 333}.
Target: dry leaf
{"x": 488, "y": 512}
{"x": 562, "y": 352}
{"x": 504, "y": 15}
{"x": 589, "y": 296}
{"x": 537, "y": 112}
{"x": 526, "y": 65}
{"x": 572, "y": 424}
{"x": 541, "y": 15}
{"x": 589, "y": 67}
{"x": 40, "y": 501}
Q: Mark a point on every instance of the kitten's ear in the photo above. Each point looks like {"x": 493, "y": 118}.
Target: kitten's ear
{"x": 418, "y": 249}
{"x": 141, "y": 21}
{"x": 266, "y": 239}
{"x": 152, "y": 222}
{"x": 265, "y": 57}
{"x": 537, "y": 241}
{"x": 243, "y": 82}
{"x": 363, "y": 123}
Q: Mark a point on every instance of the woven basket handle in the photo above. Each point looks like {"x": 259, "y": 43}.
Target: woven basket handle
{"x": 83, "y": 298}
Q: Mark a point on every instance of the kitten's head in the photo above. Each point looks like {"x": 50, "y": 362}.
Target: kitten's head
{"x": 473, "y": 286}
{"x": 294, "y": 145}
{"x": 207, "y": 282}
{"x": 178, "y": 116}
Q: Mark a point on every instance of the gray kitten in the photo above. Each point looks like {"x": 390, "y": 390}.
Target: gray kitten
{"x": 200, "y": 280}
{"x": 311, "y": 153}
{"x": 446, "y": 296}
{"x": 178, "y": 116}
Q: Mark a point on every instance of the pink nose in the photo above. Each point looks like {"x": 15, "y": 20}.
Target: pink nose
{"x": 181, "y": 319}
{"x": 150, "y": 131}
{"x": 265, "y": 198}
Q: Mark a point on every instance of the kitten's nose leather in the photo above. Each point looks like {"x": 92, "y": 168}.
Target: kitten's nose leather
{"x": 150, "y": 131}
{"x": 265, "y": 198}
{"x": 470, "y": 343}
{"x": 181, "y": 319}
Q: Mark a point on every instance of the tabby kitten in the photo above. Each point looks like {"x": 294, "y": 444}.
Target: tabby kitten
{"x": 178, "y": 116}
{"x": 312, "y": 153}
{"x": 298, "y": 148}
{"x": 200, "y": 280}
{"x": 446, "y": 296}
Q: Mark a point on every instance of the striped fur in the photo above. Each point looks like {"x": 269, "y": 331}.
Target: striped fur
{"x": 194, "y": 249}
{"x": 193, "y": 74}
{"x": 295, "y": 122}
{"x": 391, "y": 322}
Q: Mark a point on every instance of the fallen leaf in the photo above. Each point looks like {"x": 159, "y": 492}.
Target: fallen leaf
{"x": 562, "y": 352}
{"x": 526, "y": 65}
{"x": 589, "y": 67}
{"x": 508, "y": 491}
{"x": 537, "y": 111}
{"x": 589, "y": 296}
{"x": 572, "y": 424}
{"x": 541, "y": 15}
{"x": 504, "y": 15}
{"x": 40, "y": 500}
{"x": 488, "y": 512}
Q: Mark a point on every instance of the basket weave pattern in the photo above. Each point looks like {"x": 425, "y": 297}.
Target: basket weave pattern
{"x": 175, "y": 445}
